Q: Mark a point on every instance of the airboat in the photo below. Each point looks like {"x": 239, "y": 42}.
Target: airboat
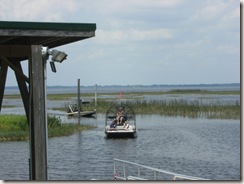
{"x": 120, "y": 122}
{"x": 73, "y": 111}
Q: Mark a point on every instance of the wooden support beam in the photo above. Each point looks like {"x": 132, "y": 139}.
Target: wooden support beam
{"x": 3, "y": 76}
{"x": 22, "y": 87}
{"x": 14, "y": 68}
{"x": 15, "y": 50}
{"x": 38, "y": 119}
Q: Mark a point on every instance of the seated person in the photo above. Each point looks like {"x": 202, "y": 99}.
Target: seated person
{"x": 120, "y": 115}
{"x": 113, "y": 124}
{"x": 126, "y": 125}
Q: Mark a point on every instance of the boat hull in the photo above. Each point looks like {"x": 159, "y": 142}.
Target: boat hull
{"x": 83, "y": 113}
{"x": 120, "y": 132}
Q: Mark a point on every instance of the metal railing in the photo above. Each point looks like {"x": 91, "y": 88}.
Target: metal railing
{"x": 174, "y": 176}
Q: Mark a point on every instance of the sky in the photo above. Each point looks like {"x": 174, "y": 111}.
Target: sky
{"x": 140, "y": 42}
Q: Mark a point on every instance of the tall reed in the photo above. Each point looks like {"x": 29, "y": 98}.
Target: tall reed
{"x": 194, "y": 109}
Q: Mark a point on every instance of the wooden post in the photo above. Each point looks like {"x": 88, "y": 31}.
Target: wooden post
{"x": 79, "y": 104}
{"x": 95, "y": 96}
{"x": 37, "y": 117}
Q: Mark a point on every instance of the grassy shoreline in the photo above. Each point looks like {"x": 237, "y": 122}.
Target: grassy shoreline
{"x": 15, "y": 128}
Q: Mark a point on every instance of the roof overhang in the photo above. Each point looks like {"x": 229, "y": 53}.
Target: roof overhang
{"x": 44, "y": 33}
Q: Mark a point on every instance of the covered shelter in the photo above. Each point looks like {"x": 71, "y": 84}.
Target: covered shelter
{"x": 21, "y": 41}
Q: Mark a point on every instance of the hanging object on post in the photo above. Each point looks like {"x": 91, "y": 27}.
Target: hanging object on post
{"x": 57, "y": 56}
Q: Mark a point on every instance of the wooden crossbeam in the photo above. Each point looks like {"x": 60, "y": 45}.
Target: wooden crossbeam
{"x": 16, "y": 69}
{"x": 15, "y": 51}
{"x": 3, "y": 76}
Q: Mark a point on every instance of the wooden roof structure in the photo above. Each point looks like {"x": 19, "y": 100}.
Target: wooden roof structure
{"x": 24, "y": 41}
{"x": 44, "y": 33}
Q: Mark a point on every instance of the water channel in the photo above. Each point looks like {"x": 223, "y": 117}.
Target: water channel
{"x": 206, "y": 148}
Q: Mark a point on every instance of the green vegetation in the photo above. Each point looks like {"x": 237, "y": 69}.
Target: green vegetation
{"x": 170, "y": 108}
{"x": 15, "y": 128}
{"x": 67, "y": 96}
{"x": 131, "y": 94}
{"x": 8, "y": 106}
{"x": 12, "y": 96}
{"x": 194, "y": 109}
{"x": 203, "y": 92}
{"x": 190, "y": 109}
{"x": 178, "y": 91}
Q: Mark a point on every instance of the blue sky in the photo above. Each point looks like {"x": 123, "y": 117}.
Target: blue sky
{"x": 141, "y": 41}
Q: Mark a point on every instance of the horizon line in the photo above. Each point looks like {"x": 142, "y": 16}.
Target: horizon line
{"x": 117, "y": 85}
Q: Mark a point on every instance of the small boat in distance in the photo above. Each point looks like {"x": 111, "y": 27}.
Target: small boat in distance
{"x": 73, "y": 111}
{"x": 120, "y": 122}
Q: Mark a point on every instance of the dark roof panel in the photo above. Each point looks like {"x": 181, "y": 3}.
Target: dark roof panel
{"x": 48, "y": 26}
{"x": 44, "y": 33}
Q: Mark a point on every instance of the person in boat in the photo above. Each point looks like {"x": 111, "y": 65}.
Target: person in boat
{"x": 113, "y": 125}
{"x": 120, "y": 115}
{"x": 126, "y": 125}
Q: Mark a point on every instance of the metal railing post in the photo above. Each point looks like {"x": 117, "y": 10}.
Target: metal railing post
{"x": 138, "y": 168}
{"x": 155, "y": 171}
{"x": 114, "y": 167}
{"x": 124, "y": 171}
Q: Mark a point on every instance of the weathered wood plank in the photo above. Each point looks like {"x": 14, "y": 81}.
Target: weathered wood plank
{"x": 49, "y": 33}
{"x": 38, "y": 115}
{"x": 15, "y": 50}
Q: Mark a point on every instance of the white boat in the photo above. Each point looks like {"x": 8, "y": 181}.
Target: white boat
{"x": 73, "y": 111}
{"x": 122, "y": 125}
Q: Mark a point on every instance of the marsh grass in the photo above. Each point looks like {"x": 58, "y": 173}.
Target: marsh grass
{"x": 193, "y": 109}
{"x": 15, "y": 128}
{"x": 12, "y": 96}
{"x": 202, "y": 92}
{"x": 170, "y": 108}
{"x": 67, "y": 96}
{"x": 131, "y": 94}
{"x": 8, "y": 106}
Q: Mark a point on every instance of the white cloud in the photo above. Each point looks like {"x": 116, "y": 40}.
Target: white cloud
{"x": 130, "y": 35}
{"x": 151, "y": 35}
{"x": 27, "y": 10}
{"x": 119, "y": 6}
{"x": 234, "y": 14}
{"x": 214, "y": 9}
{"x": 229, "y": 49}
